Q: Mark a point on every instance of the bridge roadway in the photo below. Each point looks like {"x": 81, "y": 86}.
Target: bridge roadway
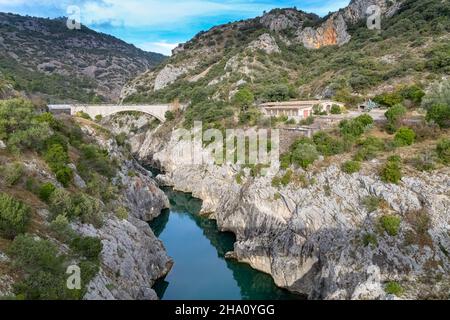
{"x": 158, "y": 111}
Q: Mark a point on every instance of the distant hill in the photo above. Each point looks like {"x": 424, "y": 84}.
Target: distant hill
{"x": 289, "y": 54}
{"x": 43, "y": 57}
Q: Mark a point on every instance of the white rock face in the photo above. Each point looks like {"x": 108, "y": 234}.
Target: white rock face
{"x": 311, "y": 240}
{"x": 132, "y": 259}
{"x": 169, "y": 75}
{"x": 77, "y": 180}
{"x": 2, "y": 145}
{"x": 266, "y": 43}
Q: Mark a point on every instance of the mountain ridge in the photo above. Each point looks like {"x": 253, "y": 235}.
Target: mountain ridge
{"x": 277, "y": 48}
{"x": 94, "y": 65}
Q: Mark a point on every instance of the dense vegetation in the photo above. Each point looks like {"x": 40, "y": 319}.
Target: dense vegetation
{"x": 66, "y": 151}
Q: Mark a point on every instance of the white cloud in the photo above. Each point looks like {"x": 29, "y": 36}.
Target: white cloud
{"x": 163, "y": 47}
{"x": 135, "y": 13}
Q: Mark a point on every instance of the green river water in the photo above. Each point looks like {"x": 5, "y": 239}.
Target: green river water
{"x": 198, "y": 249}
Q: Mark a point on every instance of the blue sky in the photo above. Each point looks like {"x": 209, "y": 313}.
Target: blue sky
{"x": 160, "y": 25}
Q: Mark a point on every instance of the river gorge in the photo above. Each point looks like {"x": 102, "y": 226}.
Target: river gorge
{"x": 198, "y": 248}
{"x": 307, "y": 239}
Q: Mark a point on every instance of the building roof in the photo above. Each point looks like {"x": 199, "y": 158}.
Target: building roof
{"x": 295, "y": 104}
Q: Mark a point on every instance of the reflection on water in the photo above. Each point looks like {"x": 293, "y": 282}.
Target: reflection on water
{"x": 198, "y": 250}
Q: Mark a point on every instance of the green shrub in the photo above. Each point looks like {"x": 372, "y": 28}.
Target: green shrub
{"x": 389, "y": 99}
{"x": 210, "y": 113}
{"x": 244, "y": 99}
{"x": 19, "y": 128}
{"x": 439, "y": 114}
{"x": 285, "y": 161}
{"x": 83, "y": 115}
{"x": 290, "y": 122}
{"x": 370, "y": 239}
{"x": 57, "y": 139}
{"x": 372, "y": 203}
{"x": 61, "y": 228}
{"x": 443, "y": 151}
{"x": 335, "y": 109}
{"x": 14, "y": 216}
{"x": 121, "y": 139}
{"x": 390, "y": 224}
{"x": 32, "y": 254}
{"x": 12, "y": 173}
{"x": 351, "y": 167}
{"x": 391, "y": 172}
{"x": 94, "y": 159}
{"x": 251, "y": 117}
{"x": 122, "y": 213}
{"x": 81, "y": 206}
{"x": 100, "y": 187}
{"x": 395, "y": 116}
{"x": 98, "y": 118}
{"x": 304, "y": 155}
{"x": 64, "y": 175}
{"x": 89, "y": 209}
{"x": 394, "y": 288}
{"x": 169, "y": 115}
{"x": 88, "y": 247}
{"x": 286, "y": 178}
{"x": 405, "y": 136}
{"x": 369, "y": 149}
{"x": 327, "y": 145}
{"x": 356, "y": 127}
{"x": 412, "y": 93}
{"x": 61, "y": 204}
{"x": 43, "y": 267}
{"x": 45, "y": 191}
{"x": 278, "y": 92}
{"x": 276, "y": 181}
{"x": 57, "y": 158}
{"x": 307, "y": 122}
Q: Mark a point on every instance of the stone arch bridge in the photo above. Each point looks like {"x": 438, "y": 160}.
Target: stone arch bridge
{"x": 158, "y": 110}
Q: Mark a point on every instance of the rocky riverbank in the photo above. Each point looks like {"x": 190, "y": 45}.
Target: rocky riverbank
{"x": 132, "y": 258}
{"x": 321, "y": 239}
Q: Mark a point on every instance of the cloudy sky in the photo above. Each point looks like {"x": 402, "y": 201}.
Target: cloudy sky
{"x": 160, "y": 25}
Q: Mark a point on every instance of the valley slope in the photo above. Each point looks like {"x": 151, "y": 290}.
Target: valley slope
{"x": 289, "y": 54}
{"x": 43, "y": 57}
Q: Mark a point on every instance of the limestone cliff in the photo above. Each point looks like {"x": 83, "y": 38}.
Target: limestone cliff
{"x": 132, "y": 257}
{"x": 313, "y": 239}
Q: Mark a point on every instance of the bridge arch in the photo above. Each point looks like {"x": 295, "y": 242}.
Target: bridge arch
{"x": 157, "y": 111}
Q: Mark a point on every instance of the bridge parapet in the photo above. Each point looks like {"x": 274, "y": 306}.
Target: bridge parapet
{"x": 158, "y": 111}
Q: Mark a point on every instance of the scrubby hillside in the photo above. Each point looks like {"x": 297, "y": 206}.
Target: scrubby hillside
{"x": 290, "y": 54}
{"x": 42, "y": 56}
{"x": 70, "y": 197}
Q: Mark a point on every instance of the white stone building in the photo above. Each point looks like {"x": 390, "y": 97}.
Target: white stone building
{"x": 297, "y": 110}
